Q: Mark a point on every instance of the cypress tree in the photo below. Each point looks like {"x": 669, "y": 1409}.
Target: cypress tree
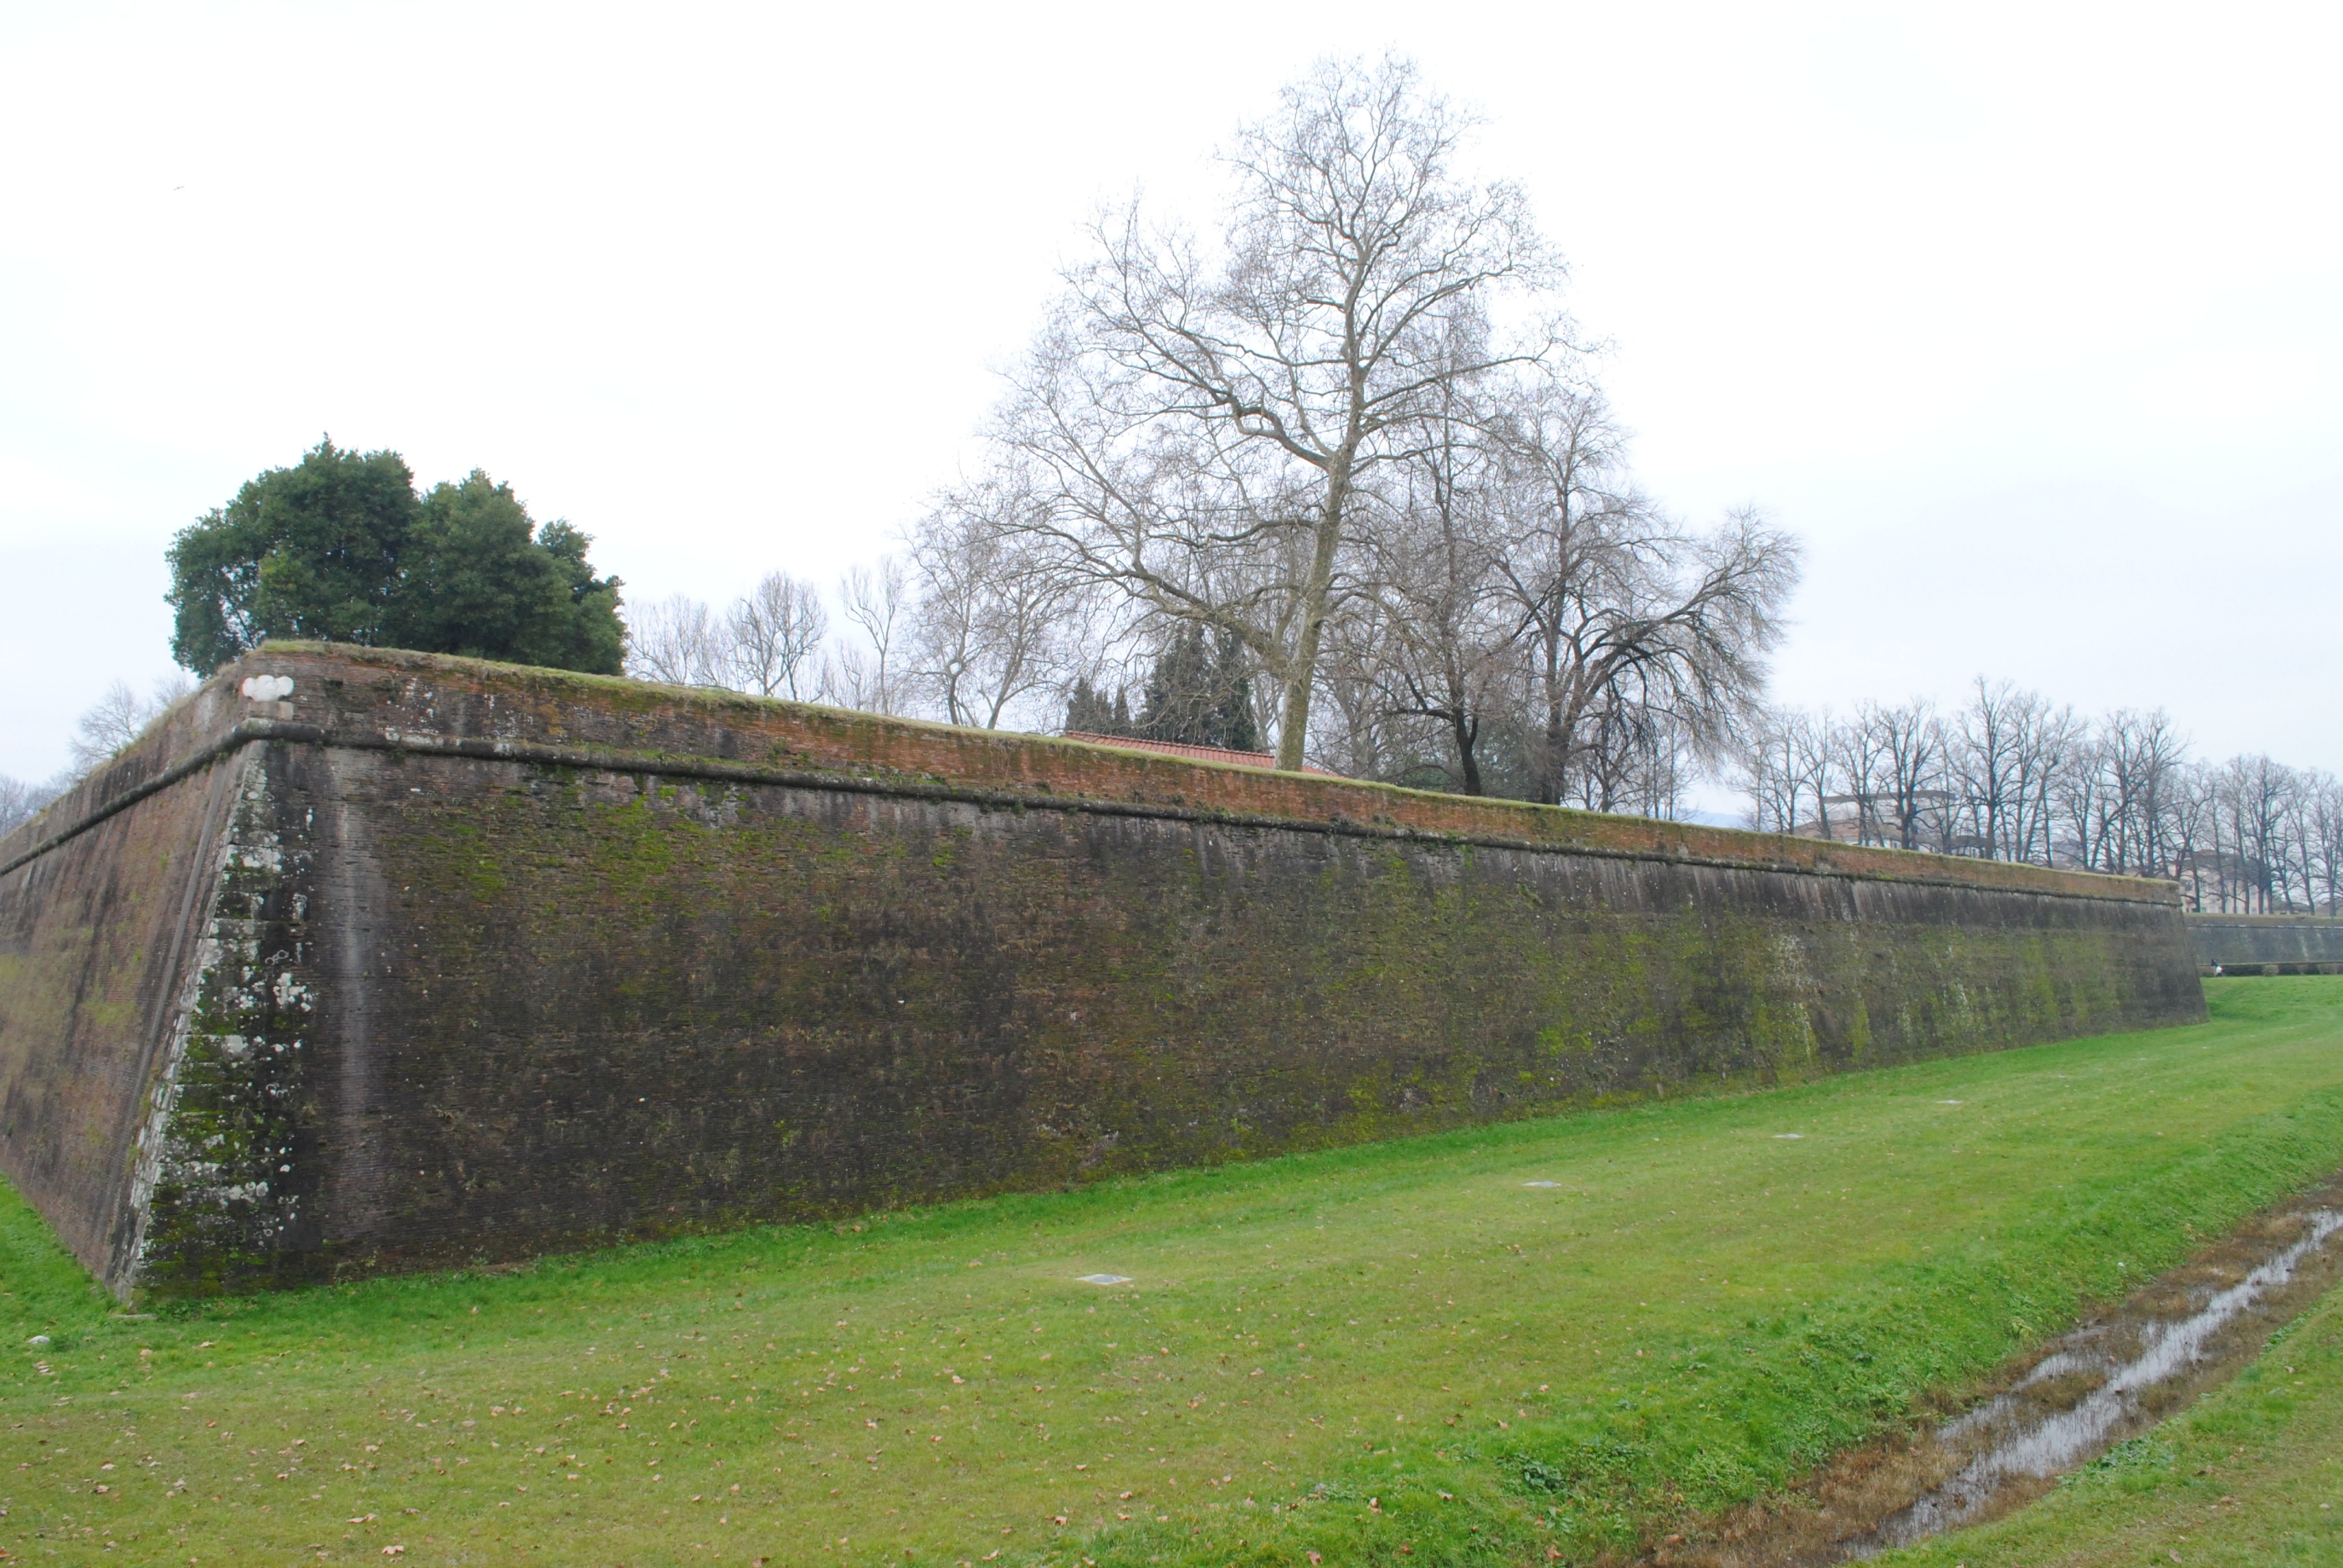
{"x": 1179, "y": 691}
{"x": 1231, "y": 721}
{"x": 1086, "y": 710}
{"x": 1199, "y": 694}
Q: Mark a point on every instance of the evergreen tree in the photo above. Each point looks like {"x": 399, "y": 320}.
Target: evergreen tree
{"x": 1179, "y": 691}
{"x": 310, "y": 551}
{"x": 341, "y": 548}
{"x": 1199, "y": 694}
{"x": 1087, "y": 711}
{"x": 1232, "y": 723}
{"x": 478, "y": 577}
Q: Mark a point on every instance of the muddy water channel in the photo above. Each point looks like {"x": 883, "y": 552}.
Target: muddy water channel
{"x": 2111, "y": 1379}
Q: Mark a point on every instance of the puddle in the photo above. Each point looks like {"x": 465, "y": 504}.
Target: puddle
{"x": 2025, "y": 1434}
{"x": 2111, "y": 1379}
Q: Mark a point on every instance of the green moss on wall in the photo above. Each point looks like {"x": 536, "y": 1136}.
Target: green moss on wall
{"x": 692, "y": 1005}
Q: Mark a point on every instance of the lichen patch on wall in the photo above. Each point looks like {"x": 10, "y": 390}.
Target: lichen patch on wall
{"x": 218, "y": 1201}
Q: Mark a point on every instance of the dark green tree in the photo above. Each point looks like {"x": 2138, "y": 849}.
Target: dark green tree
{"x": 1232, "y": 723}
{"x": 310, "y": 551}
{"x": 1199, "y": 695}
{"x": 480, "y": 579}
{"x": 1089, "y": 711}
{"x": 339, "y": 547}
{"x": 1179, "y": 697}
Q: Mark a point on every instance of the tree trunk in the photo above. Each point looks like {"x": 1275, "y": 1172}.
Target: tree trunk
{"x": 1294, "y": 723}
{"x": 1466, "y": 734}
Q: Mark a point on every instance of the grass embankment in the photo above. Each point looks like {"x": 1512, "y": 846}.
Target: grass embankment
{"x": 1400, "y": 1354}
{"x": 2251, "y": 1477}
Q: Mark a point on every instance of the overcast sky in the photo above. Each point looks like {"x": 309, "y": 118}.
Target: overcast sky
{"x": 2029, "y": 321}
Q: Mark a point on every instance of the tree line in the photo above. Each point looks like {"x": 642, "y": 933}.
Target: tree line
{"x": 2008, "y": 774}
{"x": 1332, "y": 475}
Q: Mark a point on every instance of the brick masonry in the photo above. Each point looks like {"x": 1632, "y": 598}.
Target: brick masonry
{"x": 437, "y": 961}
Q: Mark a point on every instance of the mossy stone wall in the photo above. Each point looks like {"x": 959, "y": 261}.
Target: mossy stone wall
{"x": 493, "y": 963}
{"x": 2245, "y": 939}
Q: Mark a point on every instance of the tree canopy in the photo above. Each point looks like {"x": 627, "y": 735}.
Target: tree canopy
{"x": 339, "y": 547}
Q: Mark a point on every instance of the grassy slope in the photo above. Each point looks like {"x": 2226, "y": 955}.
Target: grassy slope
{"x": 1341, "y": 1353}
{"x": 2251, "y": 1477}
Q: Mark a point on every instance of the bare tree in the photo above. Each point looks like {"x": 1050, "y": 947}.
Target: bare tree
{"x": 20, "y": 801}
{"x": 992, "y": 627}
{"x": 1624, "y": 616}
{"x": 1449, "y": 654}
{"x": 1983, "y": 763}
{"x": 1358, "y": 732}
{"x": 2050, "y": 741}
{"x": 2323, "y": 824}
{"x": 2255, "y": 795}
{"x": 1789, "y": 768}
{"x": 1641, "y": 760}
{"x": 2189, "y": 823}
{"x": 2140, "y": 753}
{"x": 876, "y": 601}
{"x": 1206, "y": 416}
{"x": 1907, "y": 760}
{"x": 2011, "y": 776}
{"x": 119, "y": 718}
{"x": 108, "y": 724}
{"x": 770, "y": 637}
{"x": 678, "y": 641}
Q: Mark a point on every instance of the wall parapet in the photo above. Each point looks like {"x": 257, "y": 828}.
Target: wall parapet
{"x": 849, "y": 750}
{"x": 1916, "y": 868}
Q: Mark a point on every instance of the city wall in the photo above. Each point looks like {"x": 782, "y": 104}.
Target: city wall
{"x": 2267, "y": 944}
{"x": 367, "y": 962}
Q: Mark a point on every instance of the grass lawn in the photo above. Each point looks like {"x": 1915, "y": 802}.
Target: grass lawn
{"x": 1498, "y": 1345}
{"x": 2251, "y": 1477}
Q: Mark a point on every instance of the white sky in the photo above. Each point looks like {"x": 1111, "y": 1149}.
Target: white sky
{"x": 2028, "y": 321}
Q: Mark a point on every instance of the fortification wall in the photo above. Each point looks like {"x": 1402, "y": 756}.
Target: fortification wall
{"x": 440, "y": 961}
{"x": 2235, "y": 942}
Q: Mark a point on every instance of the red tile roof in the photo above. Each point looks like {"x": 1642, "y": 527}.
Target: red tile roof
{"x": 1199, "y": 753}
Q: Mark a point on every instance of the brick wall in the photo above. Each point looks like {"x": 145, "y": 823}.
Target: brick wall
{"x": 441, "y": 961}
